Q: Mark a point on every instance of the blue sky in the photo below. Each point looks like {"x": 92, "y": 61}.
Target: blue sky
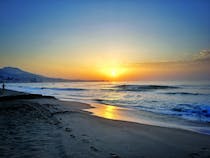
{"x": 133, "y": 30}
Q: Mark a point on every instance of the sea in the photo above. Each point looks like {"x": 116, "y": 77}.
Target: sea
{"x": 173, "y": 104}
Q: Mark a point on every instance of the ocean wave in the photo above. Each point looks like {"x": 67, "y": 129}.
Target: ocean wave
{"x": 64, "y": 89}
{"x": 142, "y": 87}
{"x": 108, "y": 102}
{"x": 198, "y": 111}
{"x": 123, "y": 103}
{"x": 183, "y": 93}
{"x": 186, "y": 111}
{"x": 191, "y": 112}
{"x": 52, "y": 88}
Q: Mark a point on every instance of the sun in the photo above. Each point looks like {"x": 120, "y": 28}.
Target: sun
{"x": 113, "y": 73}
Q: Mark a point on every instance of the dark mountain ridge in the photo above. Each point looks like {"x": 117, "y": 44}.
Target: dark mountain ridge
{"x": 12, "y": 74}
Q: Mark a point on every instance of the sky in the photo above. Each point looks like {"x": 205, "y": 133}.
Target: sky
{"x": 107, "y": 39}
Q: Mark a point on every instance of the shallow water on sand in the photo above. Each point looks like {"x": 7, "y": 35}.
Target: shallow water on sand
{"x": 174, "y": 103}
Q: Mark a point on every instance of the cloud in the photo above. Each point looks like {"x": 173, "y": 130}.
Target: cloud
{"x": 194, "y": 68}
{"x": 202, "y": 55}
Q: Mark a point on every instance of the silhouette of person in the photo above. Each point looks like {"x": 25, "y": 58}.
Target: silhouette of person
{"x": 2, "y": 89}
{"x": 3, "y": 86}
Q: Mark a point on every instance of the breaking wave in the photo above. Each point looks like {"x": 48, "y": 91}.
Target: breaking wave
{"x": 188, "y": 111}
{"x": 64, "y": 89}
{"x": 184, "y": 93}
{"x": 142, "y": 87}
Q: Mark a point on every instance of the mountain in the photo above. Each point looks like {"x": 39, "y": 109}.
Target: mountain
{"x": 11, "y": 74}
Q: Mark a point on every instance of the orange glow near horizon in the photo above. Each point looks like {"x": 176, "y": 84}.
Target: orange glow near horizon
{"x": 116, "y": 69}
{"x": 114, "y": 73}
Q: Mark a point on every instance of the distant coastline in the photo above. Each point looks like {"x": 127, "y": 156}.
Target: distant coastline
{"x": 16, "y": 75}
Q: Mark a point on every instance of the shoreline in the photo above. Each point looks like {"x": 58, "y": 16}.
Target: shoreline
{"x": 119, "y": 113}
{"x": 81, "y": 134}
{"x": 181, "y": 112}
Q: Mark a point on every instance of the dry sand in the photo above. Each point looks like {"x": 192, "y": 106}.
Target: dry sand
{"x": 37, "y": 126}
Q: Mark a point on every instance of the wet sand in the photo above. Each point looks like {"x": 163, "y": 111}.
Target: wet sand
{"x": 37, "y": 126}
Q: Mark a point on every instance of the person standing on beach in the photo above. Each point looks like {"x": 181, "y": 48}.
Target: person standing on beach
{"x": 3, "y": 87}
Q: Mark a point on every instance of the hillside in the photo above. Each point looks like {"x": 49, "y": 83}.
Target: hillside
{"x": 12, "y": 74}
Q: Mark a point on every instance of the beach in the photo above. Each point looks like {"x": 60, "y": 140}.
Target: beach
{"x": 42, "y": 126}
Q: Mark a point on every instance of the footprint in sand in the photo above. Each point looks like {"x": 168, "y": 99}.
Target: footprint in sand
{"x": 68, "y": 129}
{"x": 194, "y": 155}
{"x": 85, "y": 138}
{"x": 114, "y": 155}
{"x": 73, "y": 136}
{"x": 93, "y": 148}
{"x": 204, "y": 152}
{"x": 85, "y": 141}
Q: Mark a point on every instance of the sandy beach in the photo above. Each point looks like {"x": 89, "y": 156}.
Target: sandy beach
{"x": 40, "y": 126}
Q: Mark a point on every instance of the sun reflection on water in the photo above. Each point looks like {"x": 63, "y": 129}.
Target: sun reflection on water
{"x": 106, "y": 111}
{"x": 109, "y": 112}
